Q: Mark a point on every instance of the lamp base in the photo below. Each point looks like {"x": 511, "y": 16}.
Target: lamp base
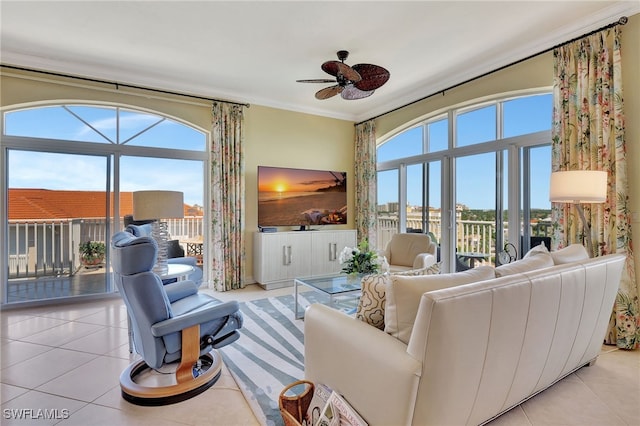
{"x": 160, "y": 233}
{"x": 587, "y": 229}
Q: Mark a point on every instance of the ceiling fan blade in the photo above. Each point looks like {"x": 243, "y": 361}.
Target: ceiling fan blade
{"x": 373, "y": 76}
{"x": 351, "y": 92}
{"x": 328, "y": 92}
{"x": 336, "y": 68}
{"x": 316, "y": 80}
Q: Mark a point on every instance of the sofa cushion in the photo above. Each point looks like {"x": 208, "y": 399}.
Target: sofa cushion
{"x": 537, "y": 258}
{"x": 403, "y": 295}
{"x": 373, "y": 299}
{"x": 571, "y": 253}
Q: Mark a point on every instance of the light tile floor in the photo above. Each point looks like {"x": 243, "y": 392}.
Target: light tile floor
{"x": 68, "y": 358}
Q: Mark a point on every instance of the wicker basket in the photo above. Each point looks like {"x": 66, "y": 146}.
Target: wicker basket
{"x": 293, "y": 408}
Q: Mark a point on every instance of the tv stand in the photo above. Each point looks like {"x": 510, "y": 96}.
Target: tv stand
{"x": 279, "y": 257}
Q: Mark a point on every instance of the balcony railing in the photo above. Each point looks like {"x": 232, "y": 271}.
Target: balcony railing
{"x": 472, "y": 236}
{"x": 50, "y": 248}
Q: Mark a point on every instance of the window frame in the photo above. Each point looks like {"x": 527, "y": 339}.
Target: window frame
{"x": 513, "y": 146}
{"x": 113, "y": 151}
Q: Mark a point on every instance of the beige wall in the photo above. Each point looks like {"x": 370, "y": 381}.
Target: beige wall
{"x": 538, "y": 73}
{"x": 290, "y": 139}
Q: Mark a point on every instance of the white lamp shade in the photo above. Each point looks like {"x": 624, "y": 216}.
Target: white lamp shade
{"x": 578, "y": 186}
{"x": 158, "y": 205}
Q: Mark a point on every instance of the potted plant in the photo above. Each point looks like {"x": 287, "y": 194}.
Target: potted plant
{"x": 92, "y": 253}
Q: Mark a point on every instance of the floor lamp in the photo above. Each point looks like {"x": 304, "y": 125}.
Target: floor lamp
{"x": 158, "y": 205}
{"x": 578, "y": 187}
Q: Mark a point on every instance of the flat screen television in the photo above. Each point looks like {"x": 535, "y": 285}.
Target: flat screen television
{"x": 301, "y": 197}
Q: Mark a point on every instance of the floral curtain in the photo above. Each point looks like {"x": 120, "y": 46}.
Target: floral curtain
{"x": 365, "y": 183}
{"x": 226, "y": 241}
{"x": 588, "y": 134}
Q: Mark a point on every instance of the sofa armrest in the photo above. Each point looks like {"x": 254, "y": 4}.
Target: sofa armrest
{"x": 370, "y": 368}
{"x": 424, "y": 260}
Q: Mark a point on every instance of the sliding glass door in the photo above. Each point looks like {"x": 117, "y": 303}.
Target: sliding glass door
{"x": 69, "y": 173}
{"x": 57, "y": 203}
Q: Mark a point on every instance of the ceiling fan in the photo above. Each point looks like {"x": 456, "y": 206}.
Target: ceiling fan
{"x": 356, "y": 82}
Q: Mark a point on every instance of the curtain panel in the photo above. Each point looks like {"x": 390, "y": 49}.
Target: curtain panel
{"x": 588, "y": 133}
{"x": 366, "y": 217}
{"x": 226, "y": 241}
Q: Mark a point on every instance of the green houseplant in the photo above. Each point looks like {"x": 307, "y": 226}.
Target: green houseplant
{"x": 92, "y": 252}
{"x": 361, "y": 260}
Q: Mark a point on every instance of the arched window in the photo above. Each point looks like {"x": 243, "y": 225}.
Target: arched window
{"x": 70, "y": 171}
{"x": 468, "y": 176}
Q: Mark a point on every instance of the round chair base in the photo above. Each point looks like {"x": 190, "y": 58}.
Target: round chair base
{"x": 139, "y": 394}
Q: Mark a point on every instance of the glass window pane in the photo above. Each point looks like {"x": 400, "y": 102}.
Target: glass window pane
{"x": 433, "y": 203}
{"x": 415, "y": 190}
{"x": 186, "y": 176}
{"x": 438, "y": 135}
{"x": 540, "y": 215}
{"x": 405, "y": 144}
{"x": 387, "y": 206}
{"x": 102, "y": 122}
{"x": 171, "y": 134}
{"x": 529, "y": 114}
{"x": 52, "y": 123}
{"x": 50, "y": 214}
{"x": 133, "y": 123}
{"x": 475, "y": 208}
{"x": 82, "y": 123}
{"x": 476, "y": 126}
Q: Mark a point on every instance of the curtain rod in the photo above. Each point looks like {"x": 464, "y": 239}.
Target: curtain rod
{"x": 622, "y": 21}
{"x": 118, "y": 85}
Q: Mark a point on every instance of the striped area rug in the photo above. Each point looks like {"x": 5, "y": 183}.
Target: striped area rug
{"x": 270, "y": 352}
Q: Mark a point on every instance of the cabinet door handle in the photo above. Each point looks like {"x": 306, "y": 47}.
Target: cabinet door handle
{"x": 333, "y": 251}
{"x": 285, "y": 260}
{"x": 289, "y": 247}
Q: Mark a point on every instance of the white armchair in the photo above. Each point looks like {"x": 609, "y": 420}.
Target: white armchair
{"x": 410, "y": 251}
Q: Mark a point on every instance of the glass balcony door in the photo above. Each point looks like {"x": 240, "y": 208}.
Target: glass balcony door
{"x": 56, "y": 204}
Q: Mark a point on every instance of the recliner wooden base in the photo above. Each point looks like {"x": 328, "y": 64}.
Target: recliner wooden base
{"x": 183, "y": 389}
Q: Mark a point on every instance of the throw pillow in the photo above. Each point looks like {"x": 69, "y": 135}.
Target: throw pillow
{"x": 537, "y": 258}
{"x": 373, "y": 298}
{"x": 404, "y": 293}
{"x": 571, "y": 253}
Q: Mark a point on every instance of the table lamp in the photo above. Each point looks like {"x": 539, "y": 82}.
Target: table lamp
{"x": 577, "y": 187}
{"x": 158, "y": 205}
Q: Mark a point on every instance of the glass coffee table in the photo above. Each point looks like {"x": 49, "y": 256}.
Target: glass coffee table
{"x": 332, "y": 286}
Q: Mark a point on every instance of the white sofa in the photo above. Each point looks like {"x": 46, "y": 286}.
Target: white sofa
{"x": 473, "y": 351}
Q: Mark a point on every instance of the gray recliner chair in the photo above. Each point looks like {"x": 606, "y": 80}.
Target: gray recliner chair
{"x": 144, "y": 230}
{"x": 171, "y": 323}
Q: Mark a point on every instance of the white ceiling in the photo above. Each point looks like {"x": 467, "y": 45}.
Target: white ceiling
{"x": 254, "y": 51}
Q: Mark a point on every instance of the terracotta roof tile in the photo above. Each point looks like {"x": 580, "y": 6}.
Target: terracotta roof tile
{"x": 31, "y": 203}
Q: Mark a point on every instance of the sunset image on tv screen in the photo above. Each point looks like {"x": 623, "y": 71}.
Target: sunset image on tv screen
{"x": 291, "y": 197}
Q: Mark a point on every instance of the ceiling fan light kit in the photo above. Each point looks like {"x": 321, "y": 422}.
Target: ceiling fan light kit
{"x": 357, "y": 82}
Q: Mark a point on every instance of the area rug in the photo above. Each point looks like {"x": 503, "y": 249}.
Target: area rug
{"x": 269, "y": 354}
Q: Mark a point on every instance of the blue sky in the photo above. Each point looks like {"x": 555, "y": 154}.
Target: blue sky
{"x": 475, "y": 174}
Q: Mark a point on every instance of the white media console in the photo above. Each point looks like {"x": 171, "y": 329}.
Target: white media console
{"x": 279, "y": 257}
